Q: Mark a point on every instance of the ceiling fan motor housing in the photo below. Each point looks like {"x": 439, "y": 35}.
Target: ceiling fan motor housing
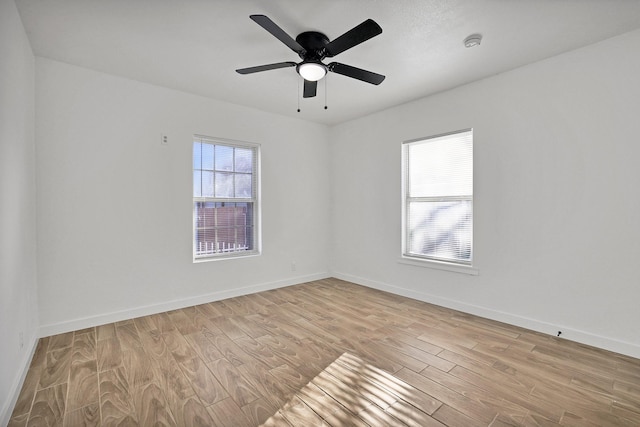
{"x": 314, "y": 44}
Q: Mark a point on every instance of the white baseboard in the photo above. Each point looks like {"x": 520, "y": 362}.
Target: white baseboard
{"x": 101, "y": 319}
{"x": 16, "y": 386}
{"x": 583, "y": 337}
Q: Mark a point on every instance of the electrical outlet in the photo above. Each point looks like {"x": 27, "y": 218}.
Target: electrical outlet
{"x": 293, "y": 266}
{"x": 21, "y": 339}
{"x": 164, "y": 139}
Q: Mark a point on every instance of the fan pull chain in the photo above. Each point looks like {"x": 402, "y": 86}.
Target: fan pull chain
{"x": 326, "y": 82}
{"x": 298, "y": 84}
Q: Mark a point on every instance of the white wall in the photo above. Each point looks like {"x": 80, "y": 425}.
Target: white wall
{"x": 556, "y": 206}
{"x": 115, "y": 207}
{"x": 18, "y": 301}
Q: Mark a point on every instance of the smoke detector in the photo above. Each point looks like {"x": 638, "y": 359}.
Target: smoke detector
{"x": 473, "y": 40}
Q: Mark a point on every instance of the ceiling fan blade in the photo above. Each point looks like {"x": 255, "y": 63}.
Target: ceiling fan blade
{"x": 310, "y": 89}
{"x": 266, "y": 67}
{"x": 353, "y": 37}
{"x": 278, "y": 33}
{"x": 356, "y": 73}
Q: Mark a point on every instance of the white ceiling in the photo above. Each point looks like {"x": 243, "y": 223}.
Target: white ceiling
{"x": 196, "y": 45}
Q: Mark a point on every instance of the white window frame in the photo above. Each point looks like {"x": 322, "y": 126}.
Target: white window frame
{"x": 254, "y": 200}
{"x": 406, "y": 257}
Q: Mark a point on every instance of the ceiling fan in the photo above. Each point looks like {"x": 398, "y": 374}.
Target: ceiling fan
{"x": 313, "y": 47}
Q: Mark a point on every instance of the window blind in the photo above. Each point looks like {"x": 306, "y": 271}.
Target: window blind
{"x": 438, "y": 199}
{"x": 225, "y": 204}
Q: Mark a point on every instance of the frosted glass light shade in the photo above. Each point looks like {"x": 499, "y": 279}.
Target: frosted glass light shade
{"x": 312, "y": 71}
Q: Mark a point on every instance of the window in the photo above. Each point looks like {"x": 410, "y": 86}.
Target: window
{"x": 225, "y": 199}
{"x": 438, "y": 198}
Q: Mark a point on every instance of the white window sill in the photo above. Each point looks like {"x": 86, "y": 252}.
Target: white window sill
{"x": 456, "y": 268}
{"x": 227, "y": 257}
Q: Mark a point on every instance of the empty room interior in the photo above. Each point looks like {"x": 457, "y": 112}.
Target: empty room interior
{"x": 331, "y": 213}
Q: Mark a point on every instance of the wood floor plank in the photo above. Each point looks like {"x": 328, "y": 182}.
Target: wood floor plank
{"x": 207, "y": 310}
{"x": 128, "y": 336}
{"x": 390, "y": 384}
{"x": 173, "y": 381}
{"x": 299, "y": 353}
{"x": 106, "y": 331}
{"x": 374, "y": 416}
{"x": 340, "y": 391}
{"x": 28, "y": 391}
{"x": 86, "y": 416}
{"x": 83, "y": 385}
{"x": 203, "y": 382}
{"x": 362, "y": 385}
{"x": 178, "y": 345}
{"x": 234, "y": 383}
{"x": 154, "y": 344}
{"x": 40, "y": 354}
{"x": 412, "y": 416}
{"x": 491, "y": 398}
{"x": 151, "y": 406}
{"x": 56, "y": 369}
{"x": 319, "y": 401}
{"x": 228, "y": 413}
{"x": 327, "y": 352}
{"x": 18, "y": 420}
{"x": 49, "y": 406}
{"x": 116, "y": 402}
{"x": 163, "y": 322}
{"x": 268, "y": 383}
{"x": 84, "y": 348}
{"x": 277, "y": 420}
{"x": 297, "y": 413}
{"x": 205, "y": 324}
{"x": 451, "y": 417}
{"x": 182, "y": 322}
{"x": 260, "y": 352}
{"x": 145, "y": 323}
{"x": 231, "y": 351}
{"x": 259, "y": 411}
{"x": 366, "y": 352}
{"x": 56, "y": 342}
{"x": 343, "y": 418}
{"x": 204, "y": 348}
{"x": 192, "y": 413}
{"x": 109, "y": 354}
{"x": 228, "y": 327}
{"x": 137, "y": 369}
{"x": 470, "y": 407}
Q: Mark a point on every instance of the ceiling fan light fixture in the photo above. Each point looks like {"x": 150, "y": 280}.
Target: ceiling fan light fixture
{"x": 312, "y": 71}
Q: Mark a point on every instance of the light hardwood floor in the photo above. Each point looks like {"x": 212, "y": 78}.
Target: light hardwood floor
{"x": 328, "y": 353}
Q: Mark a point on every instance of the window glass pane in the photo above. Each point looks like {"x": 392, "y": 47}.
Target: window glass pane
{"x": 441, "y": 167}
{"x": 208, "y": 213}
{"x": 205, "y": 241}
{"x": 207, "y": 156}
{"x": 222, "y": 172}
{"x": 241, "y": 218}
{"x": 244, "y": 160}
{"x": 197, "y": 187}
{"x": 224, "y": 158}
{"x": 438, "y": 184}
{"x": 225, "y": 215}
{"x": 198, "y": 218}
{"x": 197, "y": 155}
{"x": 207, "y": 184}
{"x": 224, "y": 184}
{"x": 243, "y": 185}
{"x": 440, "y": 229}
